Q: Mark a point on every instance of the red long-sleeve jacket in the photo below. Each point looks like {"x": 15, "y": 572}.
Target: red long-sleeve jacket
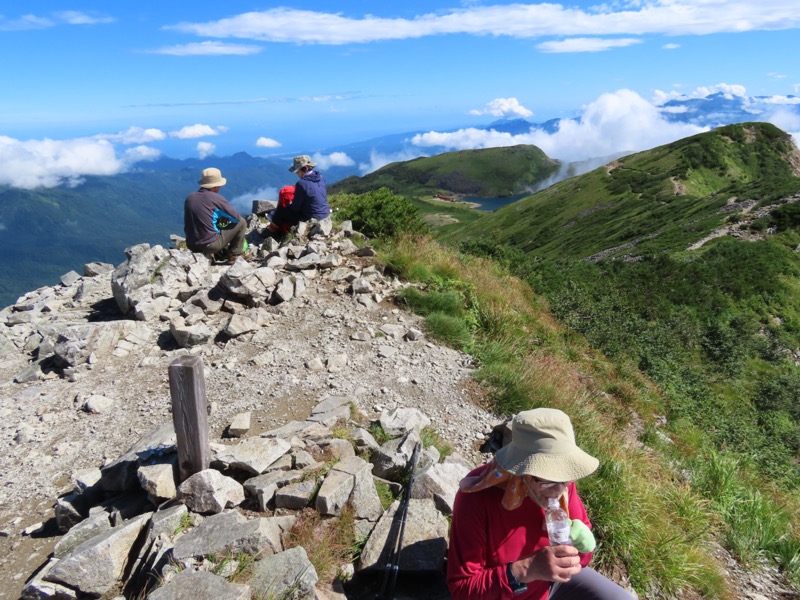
{"x": 485, "y": 537}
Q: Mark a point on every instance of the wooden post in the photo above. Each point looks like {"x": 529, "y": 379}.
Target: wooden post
{"x": 189, "y": 415}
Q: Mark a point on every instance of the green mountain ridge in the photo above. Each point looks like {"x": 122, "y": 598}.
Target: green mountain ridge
{"x": 637, "y": 257}
{"x": 682, "y": 260}
{"x": 664, "y": 199}
{"x": 489, "y": 172}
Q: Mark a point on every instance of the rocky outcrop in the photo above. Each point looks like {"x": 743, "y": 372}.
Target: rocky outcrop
{"x": 132, "y": 520}
{"x": 183, "y": 542}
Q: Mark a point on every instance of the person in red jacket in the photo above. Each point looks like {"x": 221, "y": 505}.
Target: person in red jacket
{"x": 499, "y": 547}
{"x": 285, "y": 198}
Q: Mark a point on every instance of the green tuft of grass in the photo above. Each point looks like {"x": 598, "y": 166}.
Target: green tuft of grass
{"x": 430, "y": 437}
{"x": 453, "y": 331}
{"x": 185, "y": 523}
{"x": 378, "y": 433}
{"x": 330, "y": 543}
{"x": 384, "y": 494}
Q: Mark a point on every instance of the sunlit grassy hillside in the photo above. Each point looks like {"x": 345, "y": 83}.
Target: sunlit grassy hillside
{"x": 489, "y": 172}
{"x": 661, "y": 499}
{"x": 661, "y": 200}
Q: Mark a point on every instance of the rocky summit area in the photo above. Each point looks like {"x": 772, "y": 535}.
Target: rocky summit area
{"x": 303, "y": 357}
{"x": 302, "y": 349}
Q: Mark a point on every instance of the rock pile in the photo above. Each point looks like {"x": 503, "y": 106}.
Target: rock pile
{"x": 129, "y": 530}
{"x": 307, "y": 316}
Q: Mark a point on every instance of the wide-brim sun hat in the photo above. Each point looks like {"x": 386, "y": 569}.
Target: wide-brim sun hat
{"x": 543, "y": 445}
{"x": 211, "y": 178}
{"x": 298, "y": 162}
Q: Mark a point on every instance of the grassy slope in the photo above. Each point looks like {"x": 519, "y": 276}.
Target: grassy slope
{"x": 658, "y": 507}
{"x": 655, "y": 201}
{"x": 491, "y": 172}
{"x": 715, "y": 326}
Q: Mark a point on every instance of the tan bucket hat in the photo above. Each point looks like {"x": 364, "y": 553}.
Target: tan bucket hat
{"x": 212, "y": 178}
{"x": 298, "y": 162}
{"x": 543, "y": 445}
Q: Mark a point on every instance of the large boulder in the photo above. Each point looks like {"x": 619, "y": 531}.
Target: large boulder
{"x": 209, "y": 491}
{"x": 424, "y": 539}
{"x": 96, "y": 566}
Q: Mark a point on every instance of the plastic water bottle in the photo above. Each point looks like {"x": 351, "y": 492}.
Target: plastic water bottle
{"x": 558, "y": 524}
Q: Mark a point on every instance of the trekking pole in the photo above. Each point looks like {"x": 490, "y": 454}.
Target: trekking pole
{"x": 396, "y": 534}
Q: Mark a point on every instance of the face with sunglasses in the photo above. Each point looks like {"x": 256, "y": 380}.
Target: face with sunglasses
{"x": 539, "y": 490}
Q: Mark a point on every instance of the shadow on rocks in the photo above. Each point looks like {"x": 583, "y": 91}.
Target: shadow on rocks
{"x": 366, "y": 585}
{"x": 106, "y": 310}
{"x": 166, "y": 341}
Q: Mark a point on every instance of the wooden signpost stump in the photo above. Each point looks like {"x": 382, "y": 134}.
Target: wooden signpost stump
{"x": 187, "y": 388}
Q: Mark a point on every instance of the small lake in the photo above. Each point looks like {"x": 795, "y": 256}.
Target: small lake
{"x": 491, "y": 204}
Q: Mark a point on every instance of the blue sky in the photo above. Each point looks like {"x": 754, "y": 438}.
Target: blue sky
{"x": 94, "y": 87}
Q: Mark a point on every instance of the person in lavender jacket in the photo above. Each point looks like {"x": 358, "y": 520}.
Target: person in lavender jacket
{"x": 310, "y": 197}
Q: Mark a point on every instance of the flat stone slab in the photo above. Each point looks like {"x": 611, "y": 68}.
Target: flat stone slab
{"x": 231, "y": 531}
{"x": 96, "y": 565}
{"x": 197, "y": 585}
{"x": 254, "y": 455}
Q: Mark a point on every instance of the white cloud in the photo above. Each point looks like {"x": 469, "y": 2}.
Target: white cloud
{"x": 134, "y": 135}
{"x": 378, "y": 160}
{"x": 208, "y": 49}
{"x": 140, "y": 153}
{"x": 675, "y": 110}
{"x": 48, "y": 163}
{"x": 335, "y": 159}
{"x": 205, "y": 149}
{"x": 265, "y": 142}
{"x": 470, "y": 138}
{"x": 660, "y": 97}
{"x": 585, "y": 44}
{"x": 616, "y": 122}
{"x": 74, "y": 17}
{"x": 196, "y": 131}
{"x": 503, "y": 107}
{"x": 785, "y": 119}
{"x": 328, "y": 98}
{"x": 69, "y": 17}
{"x": 244, "y": 203}
{"x": 781, "y": 100}
{"x": 671, "y": 46}
{"x": 24, "y": 23}
{"x": 667, "y": 17}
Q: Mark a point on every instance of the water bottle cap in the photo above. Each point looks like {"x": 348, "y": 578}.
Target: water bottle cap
{"x": 552, "y": 502}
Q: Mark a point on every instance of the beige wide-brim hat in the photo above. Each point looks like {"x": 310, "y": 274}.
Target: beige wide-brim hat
{"x": 298, "y": 162}
{"x": 543, "y": 445}
{"x": 212, "y": 178}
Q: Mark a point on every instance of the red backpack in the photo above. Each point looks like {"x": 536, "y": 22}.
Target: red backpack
{"x": 286, "y": 195}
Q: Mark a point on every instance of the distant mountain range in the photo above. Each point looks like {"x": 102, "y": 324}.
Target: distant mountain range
{"x": 712, "y": 111}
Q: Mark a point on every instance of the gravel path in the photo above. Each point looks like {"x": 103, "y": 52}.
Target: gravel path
{"x": 278, "y": 373}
